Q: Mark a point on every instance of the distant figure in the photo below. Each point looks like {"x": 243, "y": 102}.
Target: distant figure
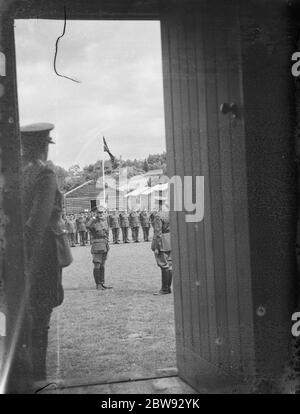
{"x": 87, "y": 217}
{"x": 114, "y": 222}
{"x": 81, "y": 228}
{"x": 70, "y": 228}
{"x": 99, "y": 231}
{"x": 135, "y": 225}
{"x": 161, "y": 246}
{"x": 124, "y": 224}
{"x": 145, "y": 223}
{"x": 43, "y": 224}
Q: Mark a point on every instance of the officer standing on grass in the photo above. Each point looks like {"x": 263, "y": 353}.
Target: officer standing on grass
{"x": 124, "y": 224}
{"x": 161, "y": 246}
{"x": 135, "y": 225}
{"x": 114, "y": 222}
{"x": 43, "y": 222}
{"x": 145, "y": 223}
{"x": 81, "y": 228}
{"x": 70, "y": 230}
{"x": 99, "y": 232}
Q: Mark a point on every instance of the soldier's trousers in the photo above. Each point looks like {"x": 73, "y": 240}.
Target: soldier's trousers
{"x": 125, "y": 234}
{"x": 82, "y": 237}
{"x": 71, "y": 237}
{"x": 135, "y": 233}
{"x": 146, "y": 233}
{"x": 164, "y": 260}
{"x": 40, "y": 327}
{"x": 116, "y": 233}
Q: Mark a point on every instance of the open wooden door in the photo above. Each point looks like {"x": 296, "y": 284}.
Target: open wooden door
{"x": 234, "y": 270}
{"x": 212, "y": 280}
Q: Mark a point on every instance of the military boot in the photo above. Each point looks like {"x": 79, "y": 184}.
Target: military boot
{"x": 97, "y": 277}
{"x": 102, "y": 278}
{"x": 164, "y": 283}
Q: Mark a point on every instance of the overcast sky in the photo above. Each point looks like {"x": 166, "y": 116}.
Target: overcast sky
{"x": 120, "y": 95}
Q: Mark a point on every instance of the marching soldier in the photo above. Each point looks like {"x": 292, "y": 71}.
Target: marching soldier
{"x": 161, "y": 246}
{"x": 99, "y": 231}
{"x": 145, "y": 223}
{"x": 114, "y": 222}
{"x": 135, "y": 225}
{"x": 43, "y": 222}
{"x": 124, "y": 223}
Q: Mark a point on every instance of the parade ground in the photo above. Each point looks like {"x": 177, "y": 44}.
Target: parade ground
{"x": 125, "y": 331}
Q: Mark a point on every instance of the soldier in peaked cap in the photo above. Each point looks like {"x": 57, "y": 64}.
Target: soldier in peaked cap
{"x": 135, "y": 225}
{"x": 161, "y": 246}
{"x": 42, "y": 217}
{"x": 99, "y": 230}
{"x": 145, "y": 222}
{"x": 114, "y": 222}
{"x": 124, "y": 224}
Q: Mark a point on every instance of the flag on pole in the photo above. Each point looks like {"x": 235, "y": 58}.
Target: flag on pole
{"x": 112, "y": 157}
{"x": 105, "y": 146}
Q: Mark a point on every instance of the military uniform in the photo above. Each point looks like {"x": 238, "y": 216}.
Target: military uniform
{"x": 161, "y": 245}
{"x": 81, "y": 229}
{"x": 99, "y": 231}
{"x": 87, "y": 218}
{"x": 70, "y": 228}
{"x": 42, "y": 217}
{"x": 145, "y": 223}
{"x": 114, "y": 223}
{"x": 124, "y": 224}
{"x": 135, "y": 225}
{"x": 73, "y": 230}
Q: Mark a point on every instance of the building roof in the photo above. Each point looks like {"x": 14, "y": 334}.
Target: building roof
{"x": 78, "y": 187}
{"x": 154, "y": 172}
{"x": 147, "y": 190}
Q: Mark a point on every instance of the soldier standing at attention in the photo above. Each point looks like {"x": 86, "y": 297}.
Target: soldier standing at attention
{"x": 70, "y": 230}
{"x": 161, "y": 246}
{"x": 42, "y": 218}
{"x": 88, "y": 217}
{"x": 114, "y": 221}
{"x": 145, "y": 223}
{"x": 124, "y": 224}
{"x": 135, "y": 225}
{"x": 81, "y": 228}
{"x": 75, "y": 216}
{"x": 99, "y": 231}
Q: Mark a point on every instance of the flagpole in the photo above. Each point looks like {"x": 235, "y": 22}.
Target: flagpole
{"x": 103, "y": 178}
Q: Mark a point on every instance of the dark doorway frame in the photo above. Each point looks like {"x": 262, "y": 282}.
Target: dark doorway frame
{"x": 17, "y": 340}
{"x": 263, "y": 157}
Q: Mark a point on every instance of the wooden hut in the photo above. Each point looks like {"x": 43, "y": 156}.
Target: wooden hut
{"x": 90, "y": 194}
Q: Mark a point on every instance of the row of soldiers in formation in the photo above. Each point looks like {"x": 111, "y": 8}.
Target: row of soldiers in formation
{"x": 161, "y": 243}
{"x": 77, "y": 229}
{"x": 46, "y": 253}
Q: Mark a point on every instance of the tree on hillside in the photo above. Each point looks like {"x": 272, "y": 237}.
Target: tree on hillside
{"x": 75, "y": 170}
{"x": 145, "y": 166}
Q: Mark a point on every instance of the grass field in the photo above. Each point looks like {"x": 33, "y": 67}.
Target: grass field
{"x": 96, "y": 334}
